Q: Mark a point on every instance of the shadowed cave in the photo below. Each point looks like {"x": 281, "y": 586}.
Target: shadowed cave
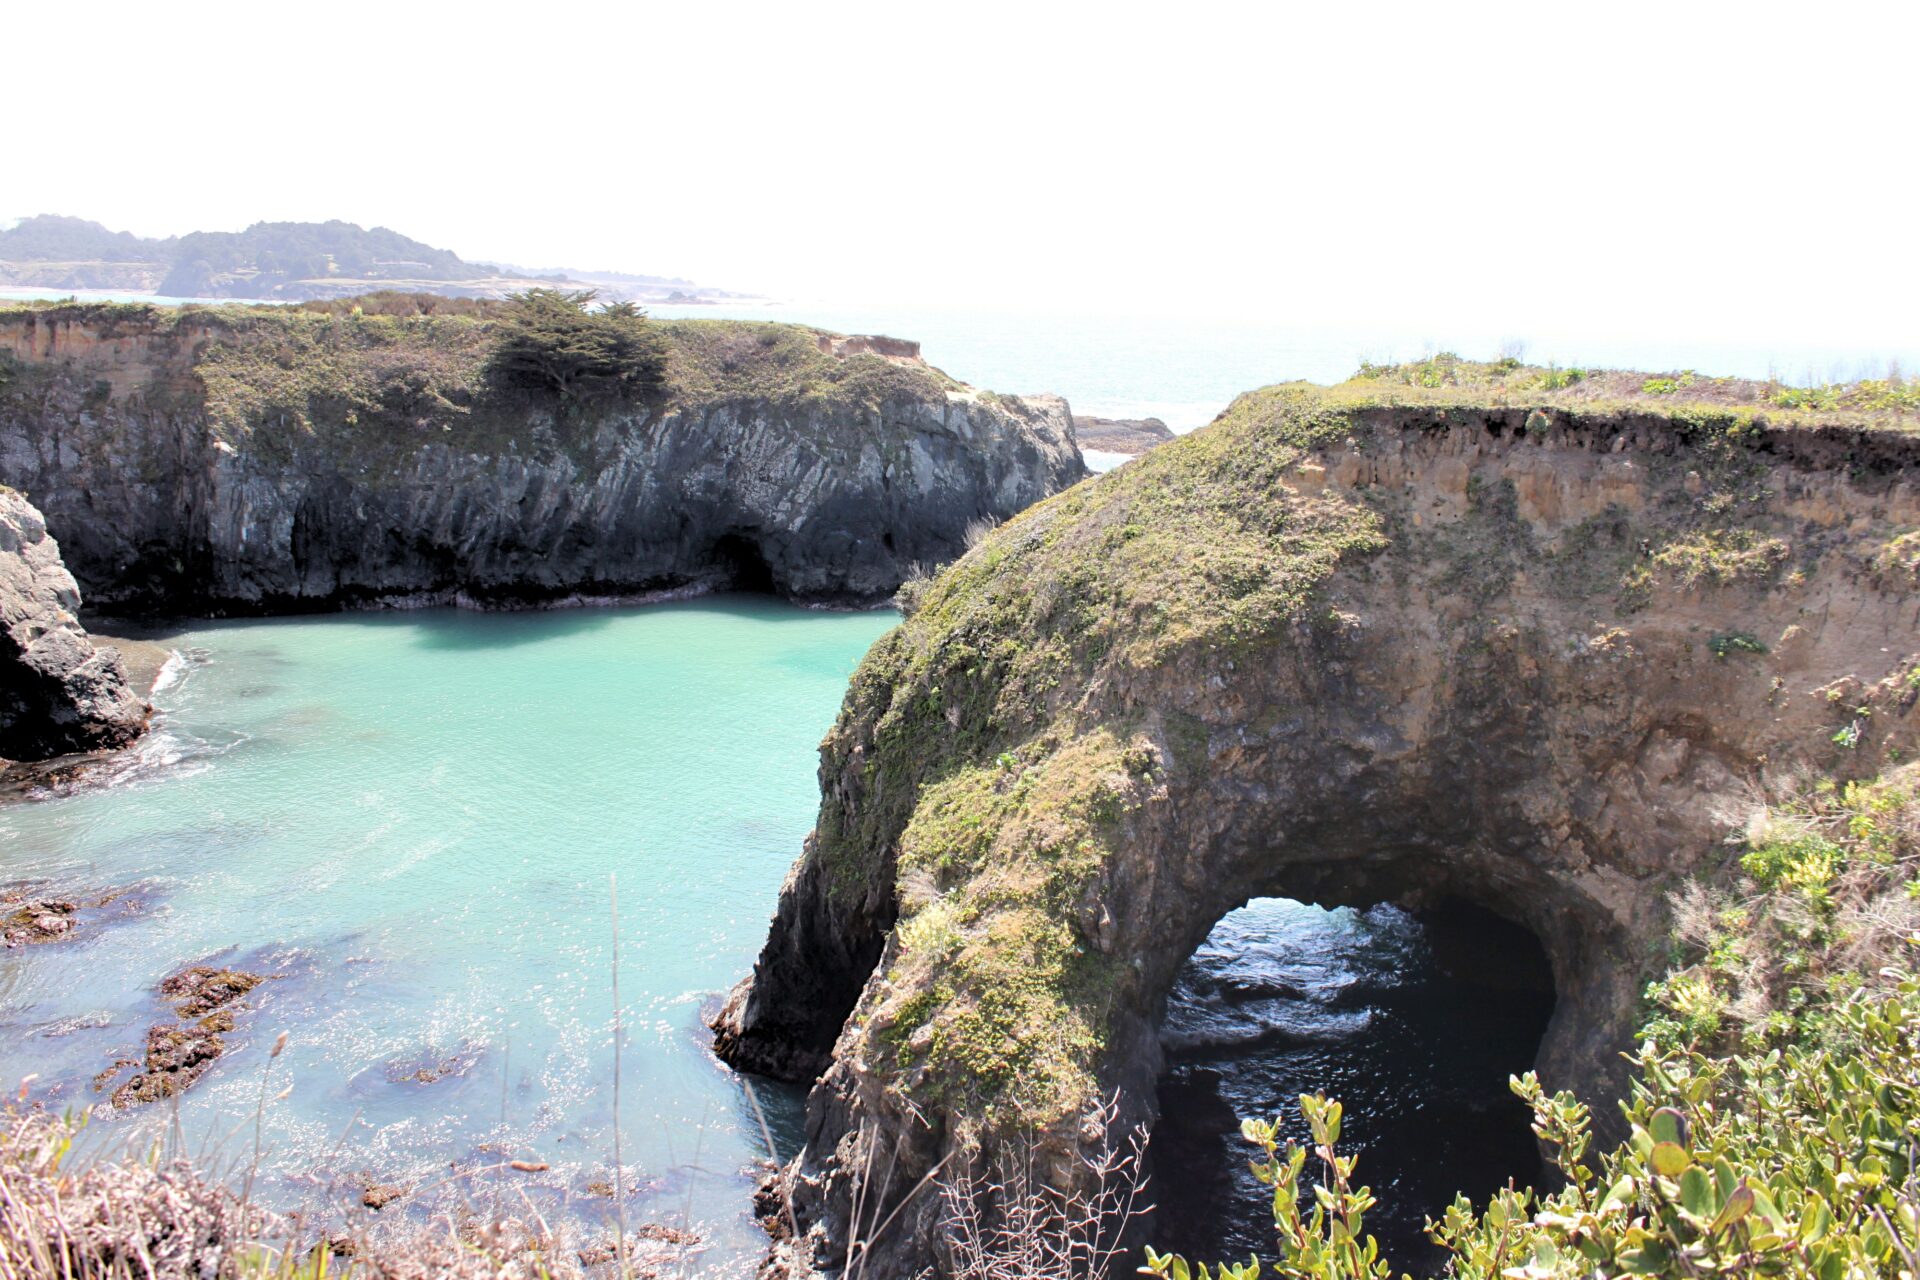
{"x": 745, "y": 566}
{"x": 1413, "y": 1019}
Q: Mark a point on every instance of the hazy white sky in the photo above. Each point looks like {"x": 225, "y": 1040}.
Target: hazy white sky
{"x": 1737, "y": 169}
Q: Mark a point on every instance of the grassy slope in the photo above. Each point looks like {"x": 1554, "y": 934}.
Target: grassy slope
{"x": 1882, "y": 404}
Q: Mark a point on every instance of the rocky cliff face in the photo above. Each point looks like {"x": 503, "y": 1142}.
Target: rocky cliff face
{"x": 232, "y": 460}
{"x": 1340, "y": 646}
{"x": 59, "y": 694}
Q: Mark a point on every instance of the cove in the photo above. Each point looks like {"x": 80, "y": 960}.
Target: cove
{"x": 409, "y": 821}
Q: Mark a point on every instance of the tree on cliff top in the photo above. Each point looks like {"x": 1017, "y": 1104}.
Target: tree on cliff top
{"x": 553, "y": 341}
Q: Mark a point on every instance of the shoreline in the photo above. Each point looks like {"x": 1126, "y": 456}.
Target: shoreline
{"x": 113, "y": 623}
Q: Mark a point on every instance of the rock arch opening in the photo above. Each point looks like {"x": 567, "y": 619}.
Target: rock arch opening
{"x": 1414, "y": 1019}
{"x": 744, "y": 566}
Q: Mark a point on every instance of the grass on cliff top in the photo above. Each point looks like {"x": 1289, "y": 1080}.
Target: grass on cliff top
{"x": 1892, "y": 402}
{"x": 402, "y": 369}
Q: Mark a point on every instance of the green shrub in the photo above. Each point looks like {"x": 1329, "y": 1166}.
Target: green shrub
{"x": 1555, "y": 378}
{"x": 1796, "y": 1162}
{"x": 1727, "y": 642}
{"x": 1775, "y": 1117}
{"x": 552, "y": 341}
{"x": 1722, "y": 557}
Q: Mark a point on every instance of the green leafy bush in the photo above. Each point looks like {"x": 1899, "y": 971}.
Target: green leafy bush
{"x": 1730, "y": 642}
{"x": 1795, "y": 1162}
{"x": 1775, "y": 1119}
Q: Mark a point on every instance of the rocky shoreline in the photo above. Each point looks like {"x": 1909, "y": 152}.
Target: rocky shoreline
{"x": 1129, "y": 436}
{"x": 60, "y": 692}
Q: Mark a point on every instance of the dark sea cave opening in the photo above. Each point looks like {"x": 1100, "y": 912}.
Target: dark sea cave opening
{"x": 1413, "y": 1020}
{"x": 745, "y": 566}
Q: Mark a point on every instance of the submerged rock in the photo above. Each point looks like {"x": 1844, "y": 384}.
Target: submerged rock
{"x": 432, "y": 1068}
{"x": 30, "y": 916}
{"x": 59, "y": 692}
{"x": 202, "y": 989}
{"x": 29, "y": 922}
{"x": 379, "y": 1195}
{"x": 179, "y": 1053}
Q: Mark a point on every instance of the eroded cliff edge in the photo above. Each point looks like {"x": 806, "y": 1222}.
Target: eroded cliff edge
{"x": 1538, "y": 651}
{"x": 233, "y": 459}
{"x": 59, "y": 693}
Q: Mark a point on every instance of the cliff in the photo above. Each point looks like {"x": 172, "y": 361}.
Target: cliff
{"x": 1486, "y": 634}
{"x": 227, "y": 459}
{"x": 59, "y": 694}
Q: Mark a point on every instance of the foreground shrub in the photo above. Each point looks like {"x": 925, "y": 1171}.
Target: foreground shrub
{"x": 115, "y": 1220}
{"x": 134, "y": 1219}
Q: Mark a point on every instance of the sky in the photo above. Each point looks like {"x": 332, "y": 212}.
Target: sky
{"x": 1743, "y": 170}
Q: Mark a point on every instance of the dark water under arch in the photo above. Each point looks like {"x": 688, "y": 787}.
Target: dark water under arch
{"x": 1414, "y": 1021}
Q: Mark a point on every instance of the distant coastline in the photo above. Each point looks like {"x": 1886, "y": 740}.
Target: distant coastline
{"x": 290, "y": 262}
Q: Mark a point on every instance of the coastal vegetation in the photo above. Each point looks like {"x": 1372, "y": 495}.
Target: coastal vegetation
{"x": 1890, "y": 400}
{"x": 556, "y": 341}
{"x": 403, "y": 364}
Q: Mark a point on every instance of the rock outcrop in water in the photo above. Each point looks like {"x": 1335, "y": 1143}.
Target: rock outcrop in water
{"x": 1524, "y": 649}
{"x": 1131, "y": 436}
{"x": 237, "y": 460}
{"x": 59, "y": 693}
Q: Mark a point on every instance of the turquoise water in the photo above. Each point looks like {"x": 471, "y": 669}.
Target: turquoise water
{"x": 411, "y": 821}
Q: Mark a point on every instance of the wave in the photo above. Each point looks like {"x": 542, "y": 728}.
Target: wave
{"x": 167, "y": 750}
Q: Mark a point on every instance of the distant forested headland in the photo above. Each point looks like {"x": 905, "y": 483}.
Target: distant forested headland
{"x": 293, "y": 261}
